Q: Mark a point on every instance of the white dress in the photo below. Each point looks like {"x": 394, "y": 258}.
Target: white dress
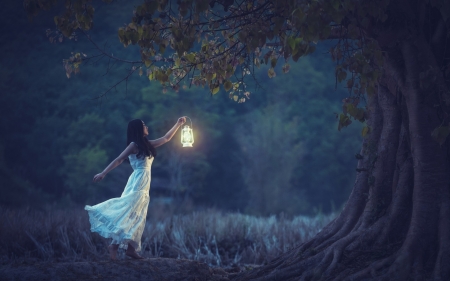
{"x": 123, "y": 218}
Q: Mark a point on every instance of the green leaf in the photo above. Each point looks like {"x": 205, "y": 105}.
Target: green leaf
{"x": 357, "y": 113}
{"x": 273, "y": 62}
{"x": 344, "y": 121}
{"x": 296, "y": 56}
{"x": 294, "y": 43}
{"x": 267, "y": 56}
{"x": 227, "y": 85}
{"x": 132, "y": 26}
{"x": 190, "y": 57}
{"x": 336, "y": 4}
{"x": 215, "y": 90}
{"x": 440, "y": 134}
{"x": 162, "y": 48}
{"x": 291, "y": 42}
{"x": 164, "y": 78}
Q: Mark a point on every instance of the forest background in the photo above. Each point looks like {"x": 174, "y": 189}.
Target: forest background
{"x": 279, "y": 152}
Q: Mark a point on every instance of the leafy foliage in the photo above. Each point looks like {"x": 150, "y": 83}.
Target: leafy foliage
{"x": 52, "y": 128}
{"x": 213, "y": 46}
{"x": 239, "y": 36}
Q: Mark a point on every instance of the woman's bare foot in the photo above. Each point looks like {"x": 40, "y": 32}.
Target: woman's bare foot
{"x": 113, "y": 251}
{"x": 131, "y": 252}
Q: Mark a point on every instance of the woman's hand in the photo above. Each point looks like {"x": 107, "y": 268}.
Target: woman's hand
{"x": 181, "y": 120}
{"x": 98, "y": 177}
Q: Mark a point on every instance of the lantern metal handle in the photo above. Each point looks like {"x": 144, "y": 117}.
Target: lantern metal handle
{"x": 189, "y": 120}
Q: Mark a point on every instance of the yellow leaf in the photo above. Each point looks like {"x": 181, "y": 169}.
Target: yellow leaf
{"x": 271, "y": 73}
{"x": 215, "y": 90}
{"x": 132, "y": 26}
{"x": 344, "y": 121}
{"x": 365, "y": 131}
{"x": 257, "y": 63}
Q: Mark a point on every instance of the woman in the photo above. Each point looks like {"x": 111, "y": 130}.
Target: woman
{"x": 123, "y": 219}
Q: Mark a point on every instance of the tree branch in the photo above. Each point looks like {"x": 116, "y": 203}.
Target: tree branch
{"x": 105, "y": 53}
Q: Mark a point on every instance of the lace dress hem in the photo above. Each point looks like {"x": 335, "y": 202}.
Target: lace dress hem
{"x": 107, "y": 229}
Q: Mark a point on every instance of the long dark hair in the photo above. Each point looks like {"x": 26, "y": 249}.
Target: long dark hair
{"x": 135, "y": 133}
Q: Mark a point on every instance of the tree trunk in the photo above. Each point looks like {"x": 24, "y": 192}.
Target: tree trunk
{"x": 396, "y": 223}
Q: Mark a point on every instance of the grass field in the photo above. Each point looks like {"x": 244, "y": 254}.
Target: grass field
{"x": 217, "y": 238}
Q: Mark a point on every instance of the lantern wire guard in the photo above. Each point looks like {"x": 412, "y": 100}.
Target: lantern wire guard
{"x": 187, "y": 136}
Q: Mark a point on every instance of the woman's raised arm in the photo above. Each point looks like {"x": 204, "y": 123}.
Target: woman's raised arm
{"x": 168, "y": 136}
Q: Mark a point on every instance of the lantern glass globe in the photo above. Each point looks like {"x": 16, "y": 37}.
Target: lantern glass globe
{"x": 187, "y": 138}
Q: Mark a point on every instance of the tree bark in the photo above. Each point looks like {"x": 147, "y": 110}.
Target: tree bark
{"x": 396, "y": 223}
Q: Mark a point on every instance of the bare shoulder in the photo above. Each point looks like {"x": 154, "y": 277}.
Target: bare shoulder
{"x": 133, "y": 148}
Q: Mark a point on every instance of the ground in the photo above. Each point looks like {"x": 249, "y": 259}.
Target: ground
{"x": 158, "y": 269}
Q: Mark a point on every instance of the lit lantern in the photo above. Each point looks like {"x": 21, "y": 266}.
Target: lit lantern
{"x": 187, "y": 136}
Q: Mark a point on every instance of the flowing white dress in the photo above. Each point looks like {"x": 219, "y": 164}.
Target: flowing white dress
{"x": 123, "y": 218}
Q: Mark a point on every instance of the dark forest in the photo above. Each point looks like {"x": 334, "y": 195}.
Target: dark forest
{"x": 321, "y": 136}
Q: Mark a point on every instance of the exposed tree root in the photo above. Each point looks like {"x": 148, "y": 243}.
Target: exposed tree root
{"x": 396, "y": 223}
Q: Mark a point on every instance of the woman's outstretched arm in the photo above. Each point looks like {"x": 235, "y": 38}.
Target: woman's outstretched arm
{"x": 131, "y": 148}
{"x": 168, "y": 136}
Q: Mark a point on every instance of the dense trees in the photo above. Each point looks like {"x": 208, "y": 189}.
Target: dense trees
{"x": 55, "y": 136}
{"x": 394, "y": 55}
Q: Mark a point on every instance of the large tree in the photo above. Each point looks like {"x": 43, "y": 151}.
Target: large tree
{"x": 395, "y": 58}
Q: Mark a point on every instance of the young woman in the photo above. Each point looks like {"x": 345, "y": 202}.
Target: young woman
{"x": 123, "y": 218}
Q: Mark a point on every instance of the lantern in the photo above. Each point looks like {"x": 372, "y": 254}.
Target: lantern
{"x": 187, "y": 136}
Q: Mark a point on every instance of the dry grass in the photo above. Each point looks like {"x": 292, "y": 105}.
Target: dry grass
{"x": 223, "y": 239}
